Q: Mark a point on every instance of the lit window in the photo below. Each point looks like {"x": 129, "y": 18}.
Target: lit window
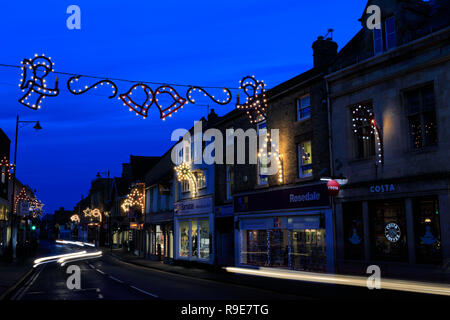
{"x": 201, "y": 179}
{"x": 420, "y": 105}
{"x": 305, "y": 159}
{"x": 304, "y": 108}
{"x": 185, "y": 187}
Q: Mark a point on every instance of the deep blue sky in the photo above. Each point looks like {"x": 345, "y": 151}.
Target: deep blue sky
{"x": 212, "y": 43}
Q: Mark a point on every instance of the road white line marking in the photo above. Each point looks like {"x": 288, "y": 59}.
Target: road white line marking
{"x": 100, "y": 271}
{"x": 115, "y": 279}
{"x": 143, "y": 291}
{"x": 27, "y": 286}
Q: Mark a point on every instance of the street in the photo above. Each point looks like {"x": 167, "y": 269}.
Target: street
{"x": 110, "y": 279}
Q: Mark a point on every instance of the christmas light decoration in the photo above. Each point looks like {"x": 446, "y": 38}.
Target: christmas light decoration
{"x": 136, "y": 198}
{"x": 178, "y": 101}
{"x": 256, "y": 102}
{"x": 75, "y": 218}
{"x": 275, "y": 152}
{"x": 36, "y": 207}
{"x": 192, "y": 90}
{"x": 184, "y": 173}
{"x": 152, "y": 97}
{"x": 40, "y": 67}
{"x": 87, "y": 88}
{"x": 6, "y": 168}
{"x": 22, "y": 196}
{"x": 364, "y": 126}
{"x": 93, "y": 214}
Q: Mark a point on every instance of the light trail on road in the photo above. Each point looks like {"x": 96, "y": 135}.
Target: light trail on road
{"x": 389, "y": 284}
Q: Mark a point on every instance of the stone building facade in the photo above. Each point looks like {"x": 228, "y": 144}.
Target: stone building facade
{"x": 389, "y": 122}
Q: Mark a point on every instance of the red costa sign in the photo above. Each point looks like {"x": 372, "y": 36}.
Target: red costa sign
{"x": 333, "y": 188}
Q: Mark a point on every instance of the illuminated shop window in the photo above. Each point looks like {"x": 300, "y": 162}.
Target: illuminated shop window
{"x": 427, "y": 230}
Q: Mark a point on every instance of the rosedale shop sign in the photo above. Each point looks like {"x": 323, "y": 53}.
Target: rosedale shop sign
{"x": 301, "y": 197}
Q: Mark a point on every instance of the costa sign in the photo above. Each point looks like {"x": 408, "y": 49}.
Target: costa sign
{"x": 333, "y": 188}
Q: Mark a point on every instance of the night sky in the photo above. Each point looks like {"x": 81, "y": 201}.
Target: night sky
{"x": 210, "y": 43}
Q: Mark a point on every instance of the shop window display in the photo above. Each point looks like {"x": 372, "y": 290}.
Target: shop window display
{"x": 388, "y": 234}
{"x": 184, "y": 239}
{"x": 353, "y": 231}
{"x": 278, "y": 248}
{"x": 204, "y": 239}
{"x": 194, "y": 238}
{"x": 256, "y": 253}
{"x": 427, "y": 231}
{"x": 307, "y": 250}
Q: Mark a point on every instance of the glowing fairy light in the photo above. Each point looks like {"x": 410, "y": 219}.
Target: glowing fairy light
{"x": 136, "y": 198}
{"x": 184, "y": 172}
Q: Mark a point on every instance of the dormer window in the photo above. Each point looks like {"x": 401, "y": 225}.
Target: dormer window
{"x": 384, "y": 36}
{"x": 391, "y": 39}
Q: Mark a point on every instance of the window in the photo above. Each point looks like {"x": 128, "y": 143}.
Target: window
{"x": 304, "y": 159}
{"x": 377, "y": 40}
{"x": 185, "y": 186}
{"x": 388, "y": 233}
{"x": 420, "y": 106}
{"x": 179, "y": 152}
{"x": 364, "y": 141}
{"x": 204, "y": 239}
{"x": 184, "y": 238}
{"x": 391, "y": 39}
{"x": 230, "y": 182}
{"x": 263, "y": 158}
{"x": 304, "y": 108}
{"x": 308, "y": 250}
{"x": 353, "y": 231}
{"x": 201, "y": 179}
{"x": 427, "y": 230}
{"x": 195, "y": 239}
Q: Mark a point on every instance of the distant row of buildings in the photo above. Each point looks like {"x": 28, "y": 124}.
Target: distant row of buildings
{"x": 18, "y": 214}
{"x": 374, "y": 116}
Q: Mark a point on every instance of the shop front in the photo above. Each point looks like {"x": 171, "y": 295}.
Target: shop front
{"x": 159, "y": 237}
{"x": 194, "y": 230}
{"x": 286, "y": 228}
{"x": 397, "y": 225}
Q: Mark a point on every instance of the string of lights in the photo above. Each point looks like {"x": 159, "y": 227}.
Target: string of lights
{"x": 256, "y": 102}
{"x": 263, "y": 152}
{"x": 6, "y": 168}
{"x": 136, "y": 198}
{"x": 184, "y": 173}
{"x": 365, "y": 126}
{"x": 35, "y": 90}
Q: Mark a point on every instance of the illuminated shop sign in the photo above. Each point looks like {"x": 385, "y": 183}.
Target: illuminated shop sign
{"x": 194, "y": 206}
{"x": 300, "y": 197}
{"x": 382, "y": 188}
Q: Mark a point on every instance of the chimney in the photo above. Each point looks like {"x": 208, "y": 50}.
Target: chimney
{"x": 324, "y": 51}
{"x": 212, "y": 116}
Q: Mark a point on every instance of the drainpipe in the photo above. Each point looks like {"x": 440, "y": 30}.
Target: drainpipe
{"x": 332, "y": 173}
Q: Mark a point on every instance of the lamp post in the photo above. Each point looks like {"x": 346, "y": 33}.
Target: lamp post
{"x": 11, "y": 216}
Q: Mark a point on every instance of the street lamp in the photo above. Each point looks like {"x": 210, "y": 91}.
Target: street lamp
{"x": 37, "y": 126}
